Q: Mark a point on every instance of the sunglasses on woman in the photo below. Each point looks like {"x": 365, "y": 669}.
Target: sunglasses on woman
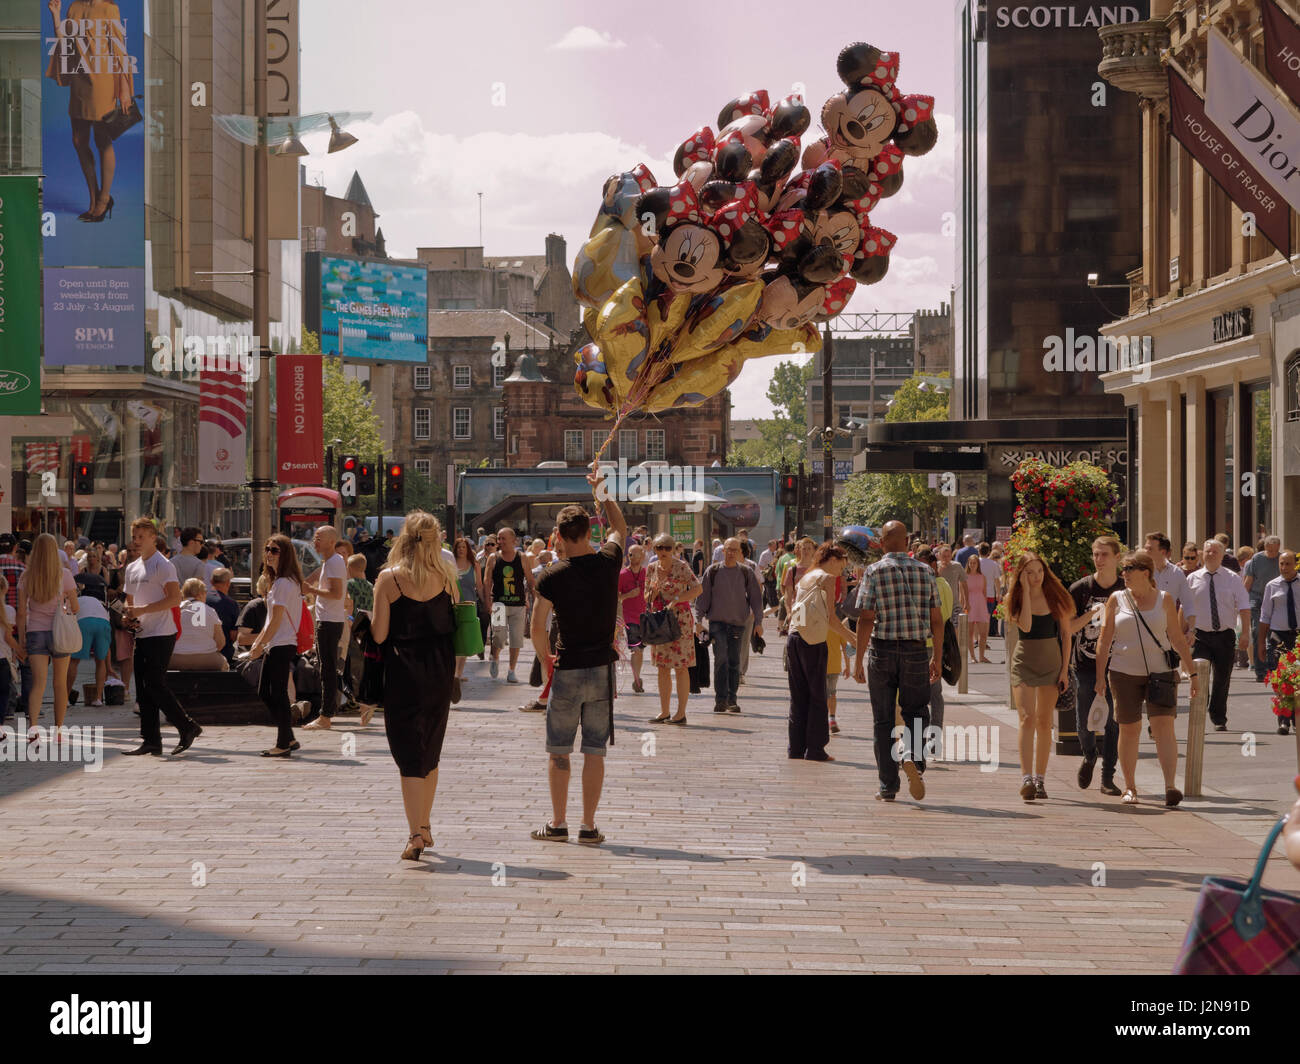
{"x": 272, "y": 550}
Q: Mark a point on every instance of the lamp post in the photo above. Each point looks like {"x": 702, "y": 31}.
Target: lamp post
{"x": 257, "y": 131}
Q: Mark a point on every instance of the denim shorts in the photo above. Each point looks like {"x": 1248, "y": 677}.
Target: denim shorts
{"x": 579, "y": 696}
{"x": 42, "y": 643}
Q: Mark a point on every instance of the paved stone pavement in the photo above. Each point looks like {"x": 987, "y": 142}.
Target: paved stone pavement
{"x": 722, "y": 855}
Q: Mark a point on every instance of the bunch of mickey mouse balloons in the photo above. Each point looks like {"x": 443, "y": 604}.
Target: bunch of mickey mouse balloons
{"x": 742, "y": 257}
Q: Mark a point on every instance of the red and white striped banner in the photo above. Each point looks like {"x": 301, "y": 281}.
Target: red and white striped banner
{"x": 223, "y": 427}
{"x": 43, "y": 457}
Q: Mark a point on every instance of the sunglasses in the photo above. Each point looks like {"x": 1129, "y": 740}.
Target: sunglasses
{"x": 1132, "y": 568}
{"x": 1189, "y": 557}
{"x": 272, "y": 550}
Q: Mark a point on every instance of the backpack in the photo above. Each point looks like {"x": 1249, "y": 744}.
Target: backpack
{"x": 809, "y": 617}
{"x": 306, "y": 630}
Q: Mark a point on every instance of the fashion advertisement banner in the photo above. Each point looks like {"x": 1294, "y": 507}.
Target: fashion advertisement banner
{"x": 1210, "y": 147}
{"x": 1281, "y": 49}
{"x": 93, "y": 157}
{"x": 1256, "y": 120}
{"x": 94, "y": 317}
{"x": 20, "y": 283}
{"x": 299, "y": 427}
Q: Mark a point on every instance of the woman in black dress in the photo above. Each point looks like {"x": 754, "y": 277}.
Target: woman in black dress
{"x": 413, "y": 622}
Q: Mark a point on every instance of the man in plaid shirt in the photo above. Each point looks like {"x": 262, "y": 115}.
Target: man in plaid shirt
{"x": 10, "y": 568}
{"x": 900, "y": 608}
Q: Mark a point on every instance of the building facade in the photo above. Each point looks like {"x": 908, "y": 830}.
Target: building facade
{"x": 1215, "y": 419}
{"x": 135, "y": 423}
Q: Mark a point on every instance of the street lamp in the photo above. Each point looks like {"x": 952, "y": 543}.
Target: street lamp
{"x": 258, "y": 131}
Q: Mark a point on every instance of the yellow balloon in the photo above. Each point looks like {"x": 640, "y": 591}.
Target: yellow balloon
{"x": 591, "y": 379}
{"x": 718, "y": 321}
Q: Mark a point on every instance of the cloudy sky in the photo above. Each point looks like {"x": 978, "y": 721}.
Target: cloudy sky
{"x": 535, "y": 104}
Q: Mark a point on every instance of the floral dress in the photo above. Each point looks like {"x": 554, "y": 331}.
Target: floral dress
{"x": 680, "y": 653}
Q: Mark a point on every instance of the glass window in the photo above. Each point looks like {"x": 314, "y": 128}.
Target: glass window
{"x": 460, "y": 376}
{"x": 627, "y": 444}
{"x": 499, "y": 423}
{"x": 420, "y": 379}
{"x": 20, "y": 104}
{"x": 1261, "y": 440}
{"x": 423, "y": 422}
{"x": 598, "y": 438}
{"x": 424, "y": 466}
{"x": 1293, "y": 387}
{"x": 654, "y": 445}
{"x": 460, "y": 423}
{"x": 573, "y": 445}
{"x": 498, "y": 376}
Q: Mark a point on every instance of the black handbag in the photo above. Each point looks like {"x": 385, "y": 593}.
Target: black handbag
{"x": 118, "y": 121}
{"x": 1162, "y": 687}
{"x": 951, "y": 654}
{"x": 535, "y": 673}
{"x": 660, "y": 627}
{"x": 700, "y": 670}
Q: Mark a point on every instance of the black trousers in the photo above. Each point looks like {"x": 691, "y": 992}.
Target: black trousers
{"x": 150, "y": 663}
{"x": 808, "y": 725}
{"x": 328, "y": 635}
{"x": 273, "y": 690}
{"x": 1220, "y": 650}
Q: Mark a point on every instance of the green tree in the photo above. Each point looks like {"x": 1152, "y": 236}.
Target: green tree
{"x": 874, "y": 498}
{"x": 782, "y": 438}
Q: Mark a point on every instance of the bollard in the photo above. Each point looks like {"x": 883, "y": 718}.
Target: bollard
{"x": 1196, "y": 731}
{"x": 963, "y": 633}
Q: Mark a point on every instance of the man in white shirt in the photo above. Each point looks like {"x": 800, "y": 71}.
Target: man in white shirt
{"x": 1216, "y": 593}
{"x": 152, "y": 594}
{"x": 719, "y": 552}
{"x": 992, "y": 573}
{"x": 1169, "y": 578}
{"x": 1279, "y": 620}
{"x": 330, "y": 589}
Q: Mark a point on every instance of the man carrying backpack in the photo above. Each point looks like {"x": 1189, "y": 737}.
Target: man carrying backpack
{"x": 731, "y": 596}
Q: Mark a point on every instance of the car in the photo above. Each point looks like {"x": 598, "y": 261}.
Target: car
{"x": 236, "y": 550}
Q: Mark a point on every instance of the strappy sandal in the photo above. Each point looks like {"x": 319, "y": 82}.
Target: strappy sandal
{"x": 1130, "y": 797}
{"x": 412, "y": 851}
{"x": 366, "y": 713}
{"x": 428, "y": 838}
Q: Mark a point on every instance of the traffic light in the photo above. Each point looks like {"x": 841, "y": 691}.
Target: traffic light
{"x": 789, "y": 489}
{"x": 365, "y": 478}
{"x": 393, "y": 487}
{"x": 812, "y": 493}
{"x": 83, "y": 478}
{"x": 348, "y": 477}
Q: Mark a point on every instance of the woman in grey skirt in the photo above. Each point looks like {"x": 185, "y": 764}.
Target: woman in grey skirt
{"x": 1040, "y": 667}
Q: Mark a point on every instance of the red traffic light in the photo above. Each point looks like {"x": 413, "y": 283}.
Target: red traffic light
{"x": 395, "y": 471}
{"x": 83, "y": 470}
{"x": 349, "y": 464}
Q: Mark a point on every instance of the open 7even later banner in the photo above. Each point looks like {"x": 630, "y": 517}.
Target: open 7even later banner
{"x": 299, "y": 424}
{"x": 20, "y": 297}
{"x": 1237, "y": 176}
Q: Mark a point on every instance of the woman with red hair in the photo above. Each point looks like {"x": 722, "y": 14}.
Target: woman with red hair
{"x": 1041, "y": 608}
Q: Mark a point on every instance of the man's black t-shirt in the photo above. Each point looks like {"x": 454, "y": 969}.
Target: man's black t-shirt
{"x": 584, "y": 593}
{"x": 253, "y": 616}
{"x": 92, "y": 585}
{"x": 1087, "y": 593}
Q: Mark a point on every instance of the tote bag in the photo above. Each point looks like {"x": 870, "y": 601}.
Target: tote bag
{"x": 67, "y": 632}
{"x": 1241, "y": 928}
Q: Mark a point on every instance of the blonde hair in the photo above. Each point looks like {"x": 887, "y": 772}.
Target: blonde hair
{"x": 194, "y": 588}
{"x": 417, "y": 552}
{"x": 43, "y": 578}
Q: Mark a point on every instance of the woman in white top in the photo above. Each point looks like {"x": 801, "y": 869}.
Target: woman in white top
{"x": 278, "y": 639}
{"x": 1138, "y": 626}
{"x": 44, "y": 587}
{"x": 198, "y": 648}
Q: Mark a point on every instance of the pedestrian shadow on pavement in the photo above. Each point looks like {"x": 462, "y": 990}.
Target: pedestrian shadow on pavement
{"x": 977, "y": 871}
{"x": 450, "y": 865}
{"x": 657, "y": 854}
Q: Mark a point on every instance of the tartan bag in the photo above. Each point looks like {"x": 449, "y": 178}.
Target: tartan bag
{"x": 1242, "y": 928}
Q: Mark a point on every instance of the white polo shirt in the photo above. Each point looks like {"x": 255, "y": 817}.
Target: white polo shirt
{"x": 1173, "y": 581}
{"x": 146, "y": 583}
{"x": 1229, "y": 591}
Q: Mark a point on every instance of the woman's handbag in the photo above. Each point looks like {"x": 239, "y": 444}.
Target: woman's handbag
{"x": 951, "y": 654}
{"x": 66, "y": 635}
{"x": 467, "y": 638}
{"x": 700, "y": 670}
{"x": 1241, "y": 928}
{"x": 118, "y": 121}
{"x": 535, "y": 673}
{"x": 1162, "y": 687}
{"x": 660, "y": 627}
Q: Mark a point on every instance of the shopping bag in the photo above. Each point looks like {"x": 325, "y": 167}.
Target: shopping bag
{"x": 1242, "y": 928}
{"x": 1098, "y": 714}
